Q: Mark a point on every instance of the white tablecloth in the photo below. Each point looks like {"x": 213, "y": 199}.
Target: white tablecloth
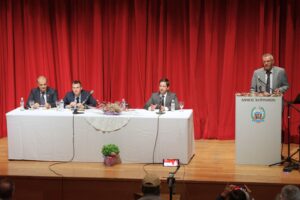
{"x": 48, "y": 135}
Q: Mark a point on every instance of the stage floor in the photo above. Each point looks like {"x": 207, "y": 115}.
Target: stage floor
{"x": 214, "y": 161}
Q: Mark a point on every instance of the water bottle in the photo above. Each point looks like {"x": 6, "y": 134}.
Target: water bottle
{"x": 61, "y": 105}
{"x": 22, "y": 104}
{"x": 173, "y": 105}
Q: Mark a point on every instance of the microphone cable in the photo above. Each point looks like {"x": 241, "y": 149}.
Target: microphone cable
{"x": 156, "y": 137}
{"x": 154, "y": 148}
{"x": 73, "y": 151}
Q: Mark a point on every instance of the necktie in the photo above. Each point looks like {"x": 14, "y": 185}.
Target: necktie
{"x": 268, "y": 82}
{"x": 42, "y": 99}
{"x": 163, "y": 100}
{"x": 77, "y": 99}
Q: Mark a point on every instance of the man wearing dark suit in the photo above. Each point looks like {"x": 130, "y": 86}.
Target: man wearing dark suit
{"x": 78, "y": 97}
{"x": 162, "y": 99}
{"x": 42, "y": 96}
{"x": 269, "y": 79}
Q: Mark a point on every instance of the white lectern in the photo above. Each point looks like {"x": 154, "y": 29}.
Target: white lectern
{"x": 258, "y": 129}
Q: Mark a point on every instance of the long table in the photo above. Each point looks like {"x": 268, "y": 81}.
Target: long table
{"x": 142, "y": 136}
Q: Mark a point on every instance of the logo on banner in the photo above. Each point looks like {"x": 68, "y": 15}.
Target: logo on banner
{"x": 258, "y": 114}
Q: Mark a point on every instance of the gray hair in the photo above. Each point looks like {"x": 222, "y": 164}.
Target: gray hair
{"x": 290, "y": 192}
{"x": 268, "y": 55}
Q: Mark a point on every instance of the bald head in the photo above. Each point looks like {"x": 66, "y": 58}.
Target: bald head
{"x": 42, "y": 83}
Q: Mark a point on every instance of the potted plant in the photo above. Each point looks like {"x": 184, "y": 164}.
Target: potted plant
{"x": 111, "y": 154}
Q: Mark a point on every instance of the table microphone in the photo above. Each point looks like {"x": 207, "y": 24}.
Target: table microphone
{"x": 75, "y": 110}
{"x": 88, "y": 96}
{"x": 160, "y": 112}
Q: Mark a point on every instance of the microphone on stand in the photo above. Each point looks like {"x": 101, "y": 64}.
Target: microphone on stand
{"x": 75, "y": 111}
{"x": 83, "y": 103}
{"x": 87, "y": 97}
{"x": 160, "y": 112}
{"x": 264, "y": 83}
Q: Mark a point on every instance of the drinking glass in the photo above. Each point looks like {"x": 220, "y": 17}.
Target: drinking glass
{"x": 181, "y": 105}
{"x": 31, "y": 103}
{"x": 57, "y": 103}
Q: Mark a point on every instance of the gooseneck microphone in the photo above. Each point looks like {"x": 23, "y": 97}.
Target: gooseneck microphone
{"x": 87, "y": 97}
{"x": 264, "y": 83}
{"x": 83, "y": 102}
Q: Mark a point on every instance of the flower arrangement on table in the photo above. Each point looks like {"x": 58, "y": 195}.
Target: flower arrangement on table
{"x": 110, "y": 108}
{"x": 111, "y": 154}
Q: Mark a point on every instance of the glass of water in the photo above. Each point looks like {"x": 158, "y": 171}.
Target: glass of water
{"x": 181, "y": 105}
{"x": 31, "y": 103}
{"x": 57, "y": 103}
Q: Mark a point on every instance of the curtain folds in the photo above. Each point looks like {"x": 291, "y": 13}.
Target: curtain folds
{"x": 121, "y": 48}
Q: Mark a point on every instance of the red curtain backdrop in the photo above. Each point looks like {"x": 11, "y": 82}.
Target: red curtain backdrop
{"x": 121, "y": 48}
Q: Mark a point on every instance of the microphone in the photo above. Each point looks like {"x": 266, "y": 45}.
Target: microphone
{"x": 161, "y": 101}
{"x": 88, "y": 96}
{"x": 83, "y": 102}
{"x": 160, "y": 112}
{"x": 264, "y": 83}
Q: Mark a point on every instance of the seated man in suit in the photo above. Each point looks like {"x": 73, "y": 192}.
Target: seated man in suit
{"x": 269, "y": 79}
{"x": 78, "y": 97}
{"x": 42, "y": 95}
{"x": 162, "y": 99}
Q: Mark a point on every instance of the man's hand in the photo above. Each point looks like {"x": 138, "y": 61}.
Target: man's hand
{"x": 36, "y": 105}
{"x": 162, "y": 108}
{"x": 266, "y": 94}
{"x": 72, "y": 104}
{"x": 277, "y": 91}
{"x": 47, "y": 106}
{"x": 152, "y": 107}
{"x": 80, "y": 106}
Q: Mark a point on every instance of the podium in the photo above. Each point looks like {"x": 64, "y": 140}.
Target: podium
{"x": 258, "y": 129}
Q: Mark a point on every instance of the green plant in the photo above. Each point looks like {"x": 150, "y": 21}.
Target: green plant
{"x": 110, "y": 149}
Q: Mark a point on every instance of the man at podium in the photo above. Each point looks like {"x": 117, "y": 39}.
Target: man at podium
{"x": 269, "y": 79}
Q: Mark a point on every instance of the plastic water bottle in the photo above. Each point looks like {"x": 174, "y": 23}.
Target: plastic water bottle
{"x": 61, "y": 105}
{"x": 173, "y": 105}
{"x": 22, "y": 104}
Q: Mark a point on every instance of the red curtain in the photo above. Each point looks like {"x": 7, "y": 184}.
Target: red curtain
{"x": 121, "y": 48}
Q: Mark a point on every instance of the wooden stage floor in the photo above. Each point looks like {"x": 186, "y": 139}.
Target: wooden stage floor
{"x": 213, "y": 163}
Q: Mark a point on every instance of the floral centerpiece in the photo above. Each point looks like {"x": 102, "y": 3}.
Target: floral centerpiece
{"x": 111, "y": 154}
{"x": 111, "y": 108}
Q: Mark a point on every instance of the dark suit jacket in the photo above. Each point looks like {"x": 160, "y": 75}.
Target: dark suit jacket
{"x": 155, "y": 100}
{"x": 35, "y": 95}
{"x": 70, "y": 97}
